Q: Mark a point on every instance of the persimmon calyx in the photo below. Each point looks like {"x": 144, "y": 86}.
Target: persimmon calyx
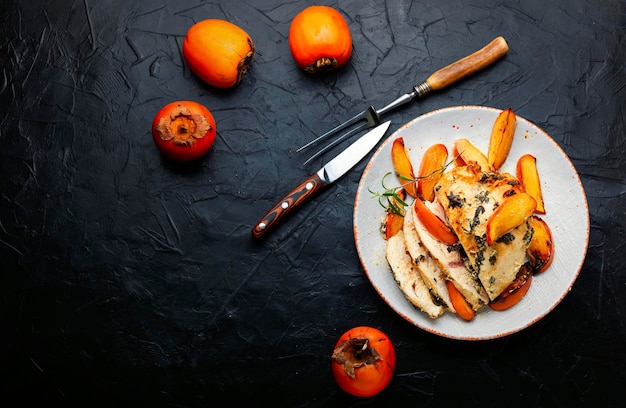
{"x": 182, "y": 127}
{"x": 322, "y": 64}
{"x": 243, "y": 65}
{"x": 354, "y": 353}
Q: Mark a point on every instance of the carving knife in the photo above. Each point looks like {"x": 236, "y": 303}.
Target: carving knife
{"x": 328, "y": 174}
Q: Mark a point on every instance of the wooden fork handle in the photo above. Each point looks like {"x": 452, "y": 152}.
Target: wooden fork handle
{"x": 482, "y": 58}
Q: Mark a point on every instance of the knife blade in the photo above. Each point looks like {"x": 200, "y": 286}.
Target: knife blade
{"x": 328, "y": 174}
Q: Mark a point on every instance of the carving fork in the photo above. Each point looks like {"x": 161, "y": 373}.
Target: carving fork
{"x": 440, "y": 79}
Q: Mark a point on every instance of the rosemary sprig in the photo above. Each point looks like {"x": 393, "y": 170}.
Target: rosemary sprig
{"x": 392, "y": 198}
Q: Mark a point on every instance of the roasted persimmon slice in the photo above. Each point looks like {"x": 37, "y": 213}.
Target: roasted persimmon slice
{"x": 512, "y": 212}
{"x": 460, "y": 305}
{"x": 394, "y": 219}
{"x": 515, "y": 291}
{"x": 403, "y": 167}
{"x": 393, "y": 224}
{"x": 465, "y": 152}
{"x": 431, "y": 168}
{"x": 435, "y": 225}
{"x": 526, "y": 171}
{"x": 540, "y": 251}
{"x": 501, "y": 138}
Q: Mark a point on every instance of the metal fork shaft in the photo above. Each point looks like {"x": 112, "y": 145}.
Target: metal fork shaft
{"x": 419, "y": 91}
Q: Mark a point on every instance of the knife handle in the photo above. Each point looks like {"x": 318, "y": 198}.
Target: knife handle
{"x": 307, "y": 188}
{"x": 482, "y": 58}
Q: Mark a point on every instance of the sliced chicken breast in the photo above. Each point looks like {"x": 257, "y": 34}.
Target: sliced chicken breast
{"x": 408, "y": 277}
{"x": 429, "y": 269}
{"x": 450, "y": 261}
{"x": 469, "y": 196}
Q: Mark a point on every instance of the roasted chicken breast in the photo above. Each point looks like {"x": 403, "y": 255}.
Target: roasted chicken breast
{"x": 469, "y": 196}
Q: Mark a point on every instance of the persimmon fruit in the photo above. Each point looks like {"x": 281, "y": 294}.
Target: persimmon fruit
{"x": 430, "y": 171}
{"x": 501, "y": 138}
{"x": 526, "y": 171}
{"x": 460, "y": 305}
{"x": 363, "y": 361}
{"x": 465, "y": 152}
{"x": 394, "y": 220}
{"x": 320, "y": 39}
{"x": 512, "y": 212}
{"x": 218, "y": 52}
{"x": 435, "y": 225}
{"x": 403, "y": 167}
{"x": 184, "y": 130}
{"x": 541, "y": 248}
{"x": 515, "y": 291}
{"x": 393, "y": 223}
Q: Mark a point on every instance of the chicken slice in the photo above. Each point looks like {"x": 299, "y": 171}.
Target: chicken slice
{"x": 450, "y": 261}
{"x": 429, "y": 269}
{"x": 408, "y": 278}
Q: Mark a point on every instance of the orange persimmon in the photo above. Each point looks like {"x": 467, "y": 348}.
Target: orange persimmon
{"x": 501, "y": 138}
{"x": 515, "y": 291}
{"x": 439, "y": 229}
{"x": 392, "y": 224}
{"x": 363, "y": 361}
{"x": 319, "y": 39}
{"x": 184, "y": 130}
{"x": 541, "y": 248}
{"x": 460, "y": 305}
{"x": 465, "y": 152}
{"x": 403, "y": 167}
{"x": 218, "y": 51}
{"x": 394, "y": 219}
{"x": 430, "y": 171}
{"x": 512, "y": 212}
{"x": 526, "y": 171}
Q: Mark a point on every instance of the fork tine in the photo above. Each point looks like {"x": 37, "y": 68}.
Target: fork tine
{"x": 336, "y": 141}
{"x": 353, "y": 120}
{"x": 372, "y": 119}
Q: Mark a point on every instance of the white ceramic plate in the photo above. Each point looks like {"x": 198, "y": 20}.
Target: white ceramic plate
{"x": 567, "y": 215}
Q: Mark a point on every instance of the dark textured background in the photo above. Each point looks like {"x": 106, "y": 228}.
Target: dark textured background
{"x": 128, "y": 278}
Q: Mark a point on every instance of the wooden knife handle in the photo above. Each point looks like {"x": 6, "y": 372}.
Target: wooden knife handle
{"x": 468, "y": 65}
{"x": 306, "y": 189}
